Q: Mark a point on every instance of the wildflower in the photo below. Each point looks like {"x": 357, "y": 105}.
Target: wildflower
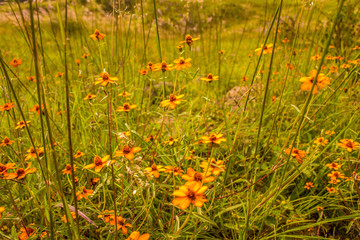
{"x": 106, "y": 215}
{"x": 16, "y": 62}
{"x": 6, "y": 142}
{"x": 221, "y": 52}
{"x": 136, "y": 236}
{"x": 26, "y": 233}
{"x": 321, "y": 141}
{"x": 128, "y": 152}
{"x": 315, "y": 58}
{"x": 151, "y": 66}
{"x": 60, "y": 113}
{"x": 334, "y": 180}
{"x": 163, "y": 66}
{"x": 84, "y": 193}
{"x": 120, "y": 223}
{"x": 32, "y": 153}
{"x": 73, "y": 215}
{"x": 244, "y": 78}
{"x": 329, "y": 132}
{"x": 331, "y": 189}
{"x": 210, "y": 78}
{"x": 99, "y": 163}
{"x": 307, "y": 82}
{"x": 309, "y": 185}
{"x": 97, "y": 35}
{"x": 37, "y": 109}
{"x": 2, "y": 209}
{"x": 194, "y": 177}
{"x": 213, "y": 138}
{"x": 67, "y": 169}
{"x": 348, "y": 144}
{"x": 4, "y": 168}
{"x": 335, "y": 174}
{"x": 187, "y": 195}
{"x": 94, "y": 181}
{"x": 180, "y": 47}
{"x": 215, "y": 167}
{"x": 105, "y": 79}
{"x": 345, "y": 66}
{"x": 296, "y": 153}
{"x": 171, "y": 141}
{"x": 7, "y": 107}
{"x": 182, "y": 63}
{"x": 289, "y": 66}
{"x": 319, "y": 208}
{"x": 150, "y": 138}
{"x": 126, "y": 107}
{"x": 285, "y": 40}
{"x": 89, "y": 97}
{"x": 78, "y": 62}
{"x": 333, "y": 165}
{"x": 124, "y": 94}
{"x": 79, "y": 154}
{"x": 273, "y": 99}
{"x": 31, "y": 79}
{"x": 173, "y": 169}
{"x": 59, "y": 74}
{"x": 173, "y": 101}
{"x": 189, "y": 40}
{"x": 20, "y": 173}
{"x": 143, "y": 71}
{"x": 154, "y": 170}
{"x": 85, "y": 56}
{"x": 267, "y": 49}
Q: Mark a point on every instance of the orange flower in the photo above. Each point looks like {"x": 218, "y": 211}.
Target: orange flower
{"x": 4, "y": 168}
{"x": 296, "y": 153}
{"x": 124, "y": 94}
{"x": 348, "y": 144}
{"x": 94, "y": 181}
{"x": 267, "y": 49}
{"x": 105, "y": 79}
{"x": 150, "y": 138}
{"x": 97, "y": 35}
{"x": 215, "y": 167}
{"x": 106, "y": 215}
{"x": 85, "y": 56}
{"x": 289, "y": 66}
{"x": 182, "y": 63}
{"x": 25, "y": 234}
{"x": 143, "y": 71}
{"x": 79, "y": 154}
{"x": 221, "y": 52}
{"x": 2, "y": 209}
{"x": 244, "y": 78}
{"x": 20, "y": 173}
{"x": 335, "y": 175}
{"x": 171, "y": 141}
{"x": 126, "y": 107}
{"x": 32, "y": 153}
{"x": 315, "y": 58}
{"x": 329, "y": 132}
{"x": 151, "y": 66}
{"x": 331, "y": 189}
{"x": 173, "y": 101}
{"x": 31, "y": 78}
{"x": 78, "y": 62}
{"x": 6, "y": 142}
{"x": 128, "y": 152}
{"x": 89, "y": 97}
{"x": 194, "y": 177}
{"x": 309, "y": 185}
{"x": 187, "y": 195}
{"x": 16, "y": 62}
{"x": 7, "y": 107}
{"x": 189, "y": 40}
{"x": 120, "y": 223}
{"x": 319, "y": 208}
{"x": 180, "y": 47}
{"x": 163, "y": 66}
{"x": 154, "y": 170}
{"x": 210, "y": 78}
{"x": 73, "y": 215}
{"x": 173, "y": 169}
{"x": 59, "y": 74}
{"x": 285, "y": 40}
{"x": 321, "y": 141}
{"x": 99, "y": 163}
{"x": 307, "y": 82}
{"x": 334, "y": 180}
{"x": 67, "y": 169}
{"x": 84, "y": 193}
{"x": 333, "y": 165}
{"x": 136, "y": 236}
{"x": 36, "y": 108}
{"x": 213, "y": 138}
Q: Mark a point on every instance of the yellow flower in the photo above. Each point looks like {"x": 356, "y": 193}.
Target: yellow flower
{"x": 182, "y": 63}
{"x": 321, "y": 141}
{"x": 120, "y": 223}
{"x": 22, "y": 124}
{"x": 84, "y": 193}
{"x": 187, "y": 195}
{"x": 126, "y": 107}
{"x": 154, "y": 170}
{"x": 307, "y": 82}
{"x": 89, "y": 97}
{"x": 99, "y": 163}
{"x": 215, "y": 167}
{"x": 198, "y": 178}
{"x": 128, "y": 152}
{"x": 333, "y": 165}
{"x": 97, "y": 35}
{"x": 136, "y": 236}
{"x": 210, "y": 78}
{"x": 105, "y": 79}
{"x": 173, "y": 101}
{"x": 189, "y": 40}
{"x": 348, "y": 144}
{"x": 267, "y": 49}
{"x": 171, "y": 141}
{"x": 213, "y": 138}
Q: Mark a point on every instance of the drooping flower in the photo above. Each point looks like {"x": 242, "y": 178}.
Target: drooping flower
{"x": 187, "y": 195}
{"x": 307, "y": 82}
{"x": 99, "y": 163}
{"x": 97, "y": 35}
{"x": 173, "y": 101}
{"x": 128, "y": 152}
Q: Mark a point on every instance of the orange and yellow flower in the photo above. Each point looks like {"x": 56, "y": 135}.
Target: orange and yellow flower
{"x": 268, "y": 48}
{"x": 67, "y": 169}
{"x": 120, "y": 223}
{"x": 136, "y": 236}
{"x": 79, "y": 154}
{"x": 128, "y": 152}
{"x": 309, "y": 185}
{"x": 187, "y": 195}
{"x": 189, "y": 40}
{"x": 22, "y": 124}
{"x": 126, "y": 107}
{"x": 321, "y": 141}
{"x": 20, "y": 173}
{"x": 16, "y": 62}
{"x": 307, "y": 82}
{"x": 173, "y": 101}
{"x": 297, "y": 153}
{"x": 99, "y": 163}
{"x": 163, "y": 66}
{"x": 213, "y": 138}
{"x": 215, "y": 167}
{"x": 97, "y": 35}
{"x": 105, "y": 79}
{"x": 154, "y": 170}
{"x": 210, "y": 78}
{"x": 182, "y": 63}
{"x": 349, "y": 144}
{"x": 89, "y": 97}
{"x": 84, "y": 193}
{"x": 7, "y": 107}
{"x": 6, "y": 142}
{"x": 193, "y": 177}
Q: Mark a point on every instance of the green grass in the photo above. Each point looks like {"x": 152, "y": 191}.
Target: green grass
{"x": 259, "y": 195}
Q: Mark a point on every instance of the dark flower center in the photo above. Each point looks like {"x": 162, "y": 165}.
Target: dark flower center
{"x": 98, "y": 161}
{"x": 198, "y": 177}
